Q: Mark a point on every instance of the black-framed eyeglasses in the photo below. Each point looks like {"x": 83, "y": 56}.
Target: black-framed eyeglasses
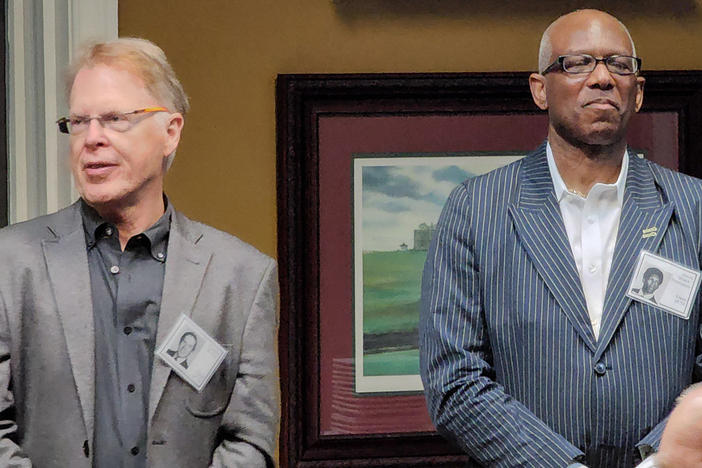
{"x": 583, "y": 63}
{"x": 117, "y": 121}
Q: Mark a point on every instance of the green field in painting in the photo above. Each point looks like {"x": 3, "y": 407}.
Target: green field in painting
{"x": 391, "y": 290}
{"x": 391, "y": 293}
{"x": 392, "y": 363}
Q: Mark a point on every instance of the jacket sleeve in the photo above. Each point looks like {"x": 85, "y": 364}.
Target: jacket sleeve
{"x": 250, "y": 422}
{"x": 465, "y": 402}
{"x": 11, "y": 454}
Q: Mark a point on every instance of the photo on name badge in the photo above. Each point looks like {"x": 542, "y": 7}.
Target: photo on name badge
{"x": 191, "y": 352}
{"x": 665, "y": 284}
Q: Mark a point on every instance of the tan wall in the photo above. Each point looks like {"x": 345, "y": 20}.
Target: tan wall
{"x": 228, "y": 53}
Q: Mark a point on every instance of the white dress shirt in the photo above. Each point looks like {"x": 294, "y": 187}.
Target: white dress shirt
{"x": 592, "y": 224}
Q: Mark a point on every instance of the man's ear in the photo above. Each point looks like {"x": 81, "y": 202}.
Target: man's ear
{"x": 640, "y": 82}
{"x": 173, "y": 129}
{"x": 537, "y": 84}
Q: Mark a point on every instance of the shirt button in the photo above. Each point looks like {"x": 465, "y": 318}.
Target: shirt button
{"x": 600, "y": 368}
{"x": 131, "y": 388}
{"x": 160, "y": 255}
{"x": 127, "y": 330}
{"x": 591, "y": 219}
{"x": 114, "y": 269}
{"x": 134, "y": 451}
{"x": 593, "y": 268}
{"x": 108, "y": 231}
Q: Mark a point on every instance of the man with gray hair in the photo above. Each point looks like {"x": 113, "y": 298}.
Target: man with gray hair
{"x": 89, "y": 296}
{"x": 532, "y": 351}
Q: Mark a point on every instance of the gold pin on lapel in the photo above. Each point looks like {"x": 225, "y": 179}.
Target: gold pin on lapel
{"x": 649, "y": 232}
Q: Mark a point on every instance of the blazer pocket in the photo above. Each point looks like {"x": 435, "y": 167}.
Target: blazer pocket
{"x": 214, "y": 398}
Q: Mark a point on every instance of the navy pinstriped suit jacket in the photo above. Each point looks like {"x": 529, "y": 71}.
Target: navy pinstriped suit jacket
{"x": 512, "y": 371}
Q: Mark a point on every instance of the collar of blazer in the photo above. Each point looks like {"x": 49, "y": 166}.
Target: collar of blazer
{"x": 68, "y": 220}
{"x": 536, "y": 186}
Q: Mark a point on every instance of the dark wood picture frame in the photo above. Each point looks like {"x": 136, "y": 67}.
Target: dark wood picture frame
{"x": 300, "y": 102}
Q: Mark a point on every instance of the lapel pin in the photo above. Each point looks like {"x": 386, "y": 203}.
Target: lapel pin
{"x": 649, "y": 232}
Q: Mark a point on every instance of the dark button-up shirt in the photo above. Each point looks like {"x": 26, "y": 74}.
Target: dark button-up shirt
{"x": 126, "y": 289}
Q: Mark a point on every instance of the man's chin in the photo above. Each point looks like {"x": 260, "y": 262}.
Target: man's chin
{"x": 100, "y": 198}
{"x": 593, "y": 135}
{"x": 603, "y": 135}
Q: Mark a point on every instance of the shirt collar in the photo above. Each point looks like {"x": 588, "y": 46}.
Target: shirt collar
{"x": 560, "y": 187}
{"x": 157, "y": 235}
{"x": 93, "y": 224}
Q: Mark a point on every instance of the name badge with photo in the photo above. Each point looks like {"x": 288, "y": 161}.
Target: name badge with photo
{"x": 665, "y": 284}
{"x": 191, "y": 352}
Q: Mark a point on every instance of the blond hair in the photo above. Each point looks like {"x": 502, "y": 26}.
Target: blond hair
{"x": 140, "y": 57}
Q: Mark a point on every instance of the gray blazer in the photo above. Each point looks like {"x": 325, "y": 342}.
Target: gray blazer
{"x": 47, "y": 349}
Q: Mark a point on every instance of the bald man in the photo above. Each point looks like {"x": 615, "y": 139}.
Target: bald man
{"x": 532, "y": 354}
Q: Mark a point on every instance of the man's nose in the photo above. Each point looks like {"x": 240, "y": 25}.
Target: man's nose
{"x": 601, "y": 77}
{"x": 95, "y": 133}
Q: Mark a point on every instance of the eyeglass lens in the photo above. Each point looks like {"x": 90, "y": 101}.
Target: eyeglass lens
{"x": 622, "y": 65}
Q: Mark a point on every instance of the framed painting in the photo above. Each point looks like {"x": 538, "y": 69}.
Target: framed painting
{"x": 364, "y": 165}
{"x": 397, "y": 199}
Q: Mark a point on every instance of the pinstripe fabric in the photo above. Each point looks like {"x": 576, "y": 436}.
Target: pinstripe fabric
{"x": 506, "y": 348}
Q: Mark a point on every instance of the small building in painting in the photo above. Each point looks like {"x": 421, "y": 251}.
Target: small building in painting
{"x": 403, "y": 247}
{"x": 423, "y": 236}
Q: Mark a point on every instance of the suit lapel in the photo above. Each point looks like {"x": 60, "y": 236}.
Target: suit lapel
{"x": 185, "y": 269}
{"x": 67, "y": 265}
{"x": 539, "y": 224}
{"x": 642, "y": 209}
